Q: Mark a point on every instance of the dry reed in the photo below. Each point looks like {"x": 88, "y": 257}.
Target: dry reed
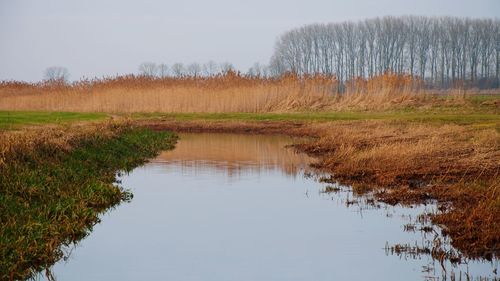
{"x": 230, "y": 92}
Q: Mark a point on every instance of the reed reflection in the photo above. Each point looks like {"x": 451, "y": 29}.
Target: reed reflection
{"x": 235, "y": 154}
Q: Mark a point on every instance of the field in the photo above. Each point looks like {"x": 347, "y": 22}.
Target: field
{"x": 14, "y": 119}
{"x": 389, "y": 135}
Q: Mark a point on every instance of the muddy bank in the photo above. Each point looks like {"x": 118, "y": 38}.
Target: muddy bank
{"x": 402, "y": 163}
{"x": 265, "y": 127}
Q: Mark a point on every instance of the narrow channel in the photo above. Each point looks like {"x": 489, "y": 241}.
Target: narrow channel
{"x": 244, "y": 207}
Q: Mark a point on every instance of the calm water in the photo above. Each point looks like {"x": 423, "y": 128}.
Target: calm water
{"x": 238, "y": 207}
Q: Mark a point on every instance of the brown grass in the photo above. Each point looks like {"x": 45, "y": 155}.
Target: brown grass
{"x": 15, "y": 144}
{"x": 411, "y": 163}
{"x": 230, "y": 92}
{"x": 395, "y": 153}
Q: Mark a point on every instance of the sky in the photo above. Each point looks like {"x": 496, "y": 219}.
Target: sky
{"x": 95, "y": 38}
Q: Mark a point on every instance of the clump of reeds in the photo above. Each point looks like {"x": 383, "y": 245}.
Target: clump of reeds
{"x": 383, "y": 92}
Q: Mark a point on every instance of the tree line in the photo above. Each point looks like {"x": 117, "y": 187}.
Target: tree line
{"x": 442, "y": 51}
{"x": 163, "y": 70}
{"x": 59, "y": 74}
{"x": 208, "y": 69}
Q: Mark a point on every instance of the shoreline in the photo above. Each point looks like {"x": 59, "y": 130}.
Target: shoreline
{"x": 400, "y": 165}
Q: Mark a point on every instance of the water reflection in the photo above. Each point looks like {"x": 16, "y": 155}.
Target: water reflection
{"x": 237, "y": 207}
{"x": 234, "y": 154}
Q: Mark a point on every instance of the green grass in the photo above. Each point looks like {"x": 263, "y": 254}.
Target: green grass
{"x": 15, "y": 119}
{"x": 50, "y": 197}
{"x": 483, "y": 116}
{"x": 409, "y": 115}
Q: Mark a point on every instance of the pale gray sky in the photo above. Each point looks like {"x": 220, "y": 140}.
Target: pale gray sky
{"x": 97, "y": 37}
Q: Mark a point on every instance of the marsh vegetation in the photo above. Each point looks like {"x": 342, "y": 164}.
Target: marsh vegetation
{"x": 413, "y": 119}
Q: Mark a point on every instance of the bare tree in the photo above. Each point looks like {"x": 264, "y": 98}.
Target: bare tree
{"x": 178, "y": 69}
{"x": 163, "y": 70}
{"x": 148, "y": 69}
{"x": 226, "y": 67}
{"x": 210, "y": 68}
{"x": 194, "y": 69}
{"x": 496, "y": 44}
{"x": 256, "y": 70}
{"x": 56, "y": 74}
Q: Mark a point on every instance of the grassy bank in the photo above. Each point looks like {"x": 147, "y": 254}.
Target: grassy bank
{"x": 483, "y": 117}
{"x": 15, "y": 119}
{"x": 55, "y": 183}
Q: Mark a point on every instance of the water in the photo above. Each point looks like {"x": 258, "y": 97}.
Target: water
{"x": 238, "y": 207}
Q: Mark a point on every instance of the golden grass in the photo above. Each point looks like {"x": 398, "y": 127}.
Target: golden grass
{"x": 390, "y": 153}
{"x": 15, "y": 144}
{"x": 230, "y": 92}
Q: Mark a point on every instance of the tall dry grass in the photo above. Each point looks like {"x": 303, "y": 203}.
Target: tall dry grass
{"x": 392, "y": 154}
{"x": 230, "y": 92}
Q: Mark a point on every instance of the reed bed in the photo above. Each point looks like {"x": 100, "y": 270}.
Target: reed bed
{"x": 229, "y": 92}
